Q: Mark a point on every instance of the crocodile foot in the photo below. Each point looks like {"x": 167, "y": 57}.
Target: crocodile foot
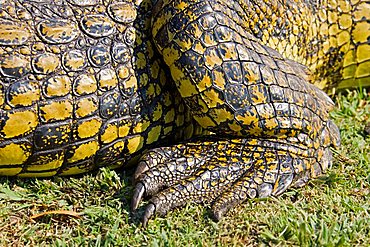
{"x": 223, "y": 173}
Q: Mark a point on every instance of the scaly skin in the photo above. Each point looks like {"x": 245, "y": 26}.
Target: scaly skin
{"x": 81, "y": 88}
{"x": 92, "y": 84}
{"x": 330, "y": 37}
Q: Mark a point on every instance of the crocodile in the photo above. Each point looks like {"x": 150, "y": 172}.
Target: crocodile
{"x": 213, "y": 101}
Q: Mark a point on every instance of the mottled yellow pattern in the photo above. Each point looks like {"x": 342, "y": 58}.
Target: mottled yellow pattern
{"x": 98, "y": 83}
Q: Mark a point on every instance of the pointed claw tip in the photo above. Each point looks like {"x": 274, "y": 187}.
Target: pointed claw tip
{"x": 140, "y": 169}
{"x": 216, "y": 216}
{"x": 149, "y": 212}
{"x": 217, "y": 213}
{"x": 138, "y": 195}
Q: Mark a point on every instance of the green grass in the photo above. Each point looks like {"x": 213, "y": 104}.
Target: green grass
{"x": 331, "y": 211}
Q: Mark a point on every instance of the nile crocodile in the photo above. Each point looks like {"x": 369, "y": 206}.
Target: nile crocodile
{"x": 211, "y": 98}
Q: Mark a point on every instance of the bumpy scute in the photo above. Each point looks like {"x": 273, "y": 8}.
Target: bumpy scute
{"x": 57, "y": 31}
{"x": 13, "y": 33}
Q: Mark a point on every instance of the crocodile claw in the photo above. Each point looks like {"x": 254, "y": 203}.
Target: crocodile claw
{"x": 140, "y": 169}
{"x": 138, "y": 195}
{"x": 149, "y": 212}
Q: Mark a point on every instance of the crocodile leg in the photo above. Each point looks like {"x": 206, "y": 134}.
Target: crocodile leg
{"x": 237, "y": 87}
{"x": 224, "y": 173}
{"x": 232, "y": 84}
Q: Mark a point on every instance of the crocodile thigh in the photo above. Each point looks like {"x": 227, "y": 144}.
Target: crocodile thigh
{"x": 81, "y": 87}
